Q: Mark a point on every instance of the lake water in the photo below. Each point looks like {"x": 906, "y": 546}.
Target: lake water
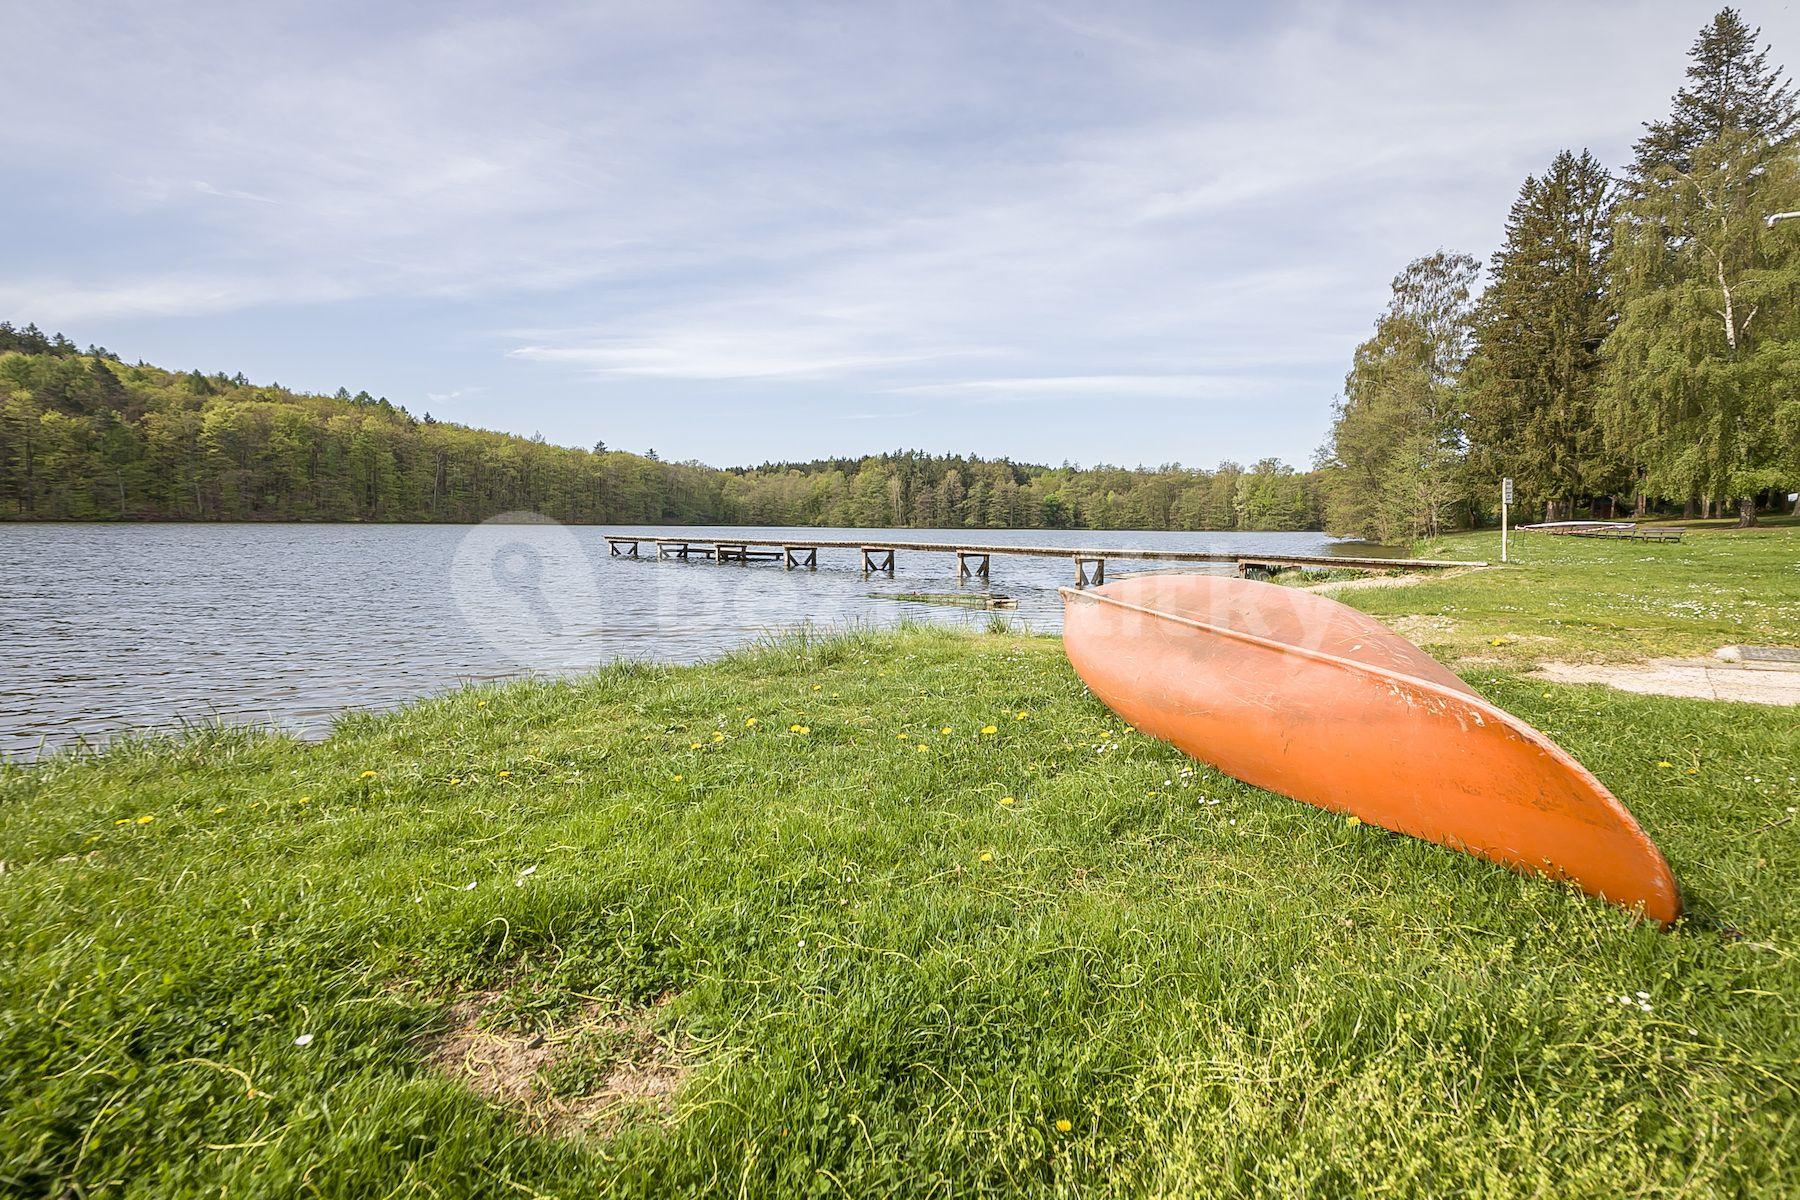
{"x": 106, "y": 628}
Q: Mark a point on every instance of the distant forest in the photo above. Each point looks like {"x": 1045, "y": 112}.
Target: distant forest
{"x": 1636, "y": 347}
{"x": 83, "y": 436}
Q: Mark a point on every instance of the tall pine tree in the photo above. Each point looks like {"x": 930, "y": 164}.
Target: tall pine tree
{"x": 1703, "y": 361}
{"x": 1535, "y": 372}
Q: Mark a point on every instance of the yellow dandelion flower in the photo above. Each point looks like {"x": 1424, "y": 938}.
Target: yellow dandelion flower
{"x": 749, "y": 722}
{"x": 1007, "y": 801}
{"x": 218, "y": 810}
{"x": 367, "y": 775}
{"x": 693, "y": 745}
{"x": 818, "y": 687}
{"x": 1019, "y": 716}
{"x": 146, "y": 819}
{"x": 504, "y": 774}
{"x": 946, "y": 731}
{"x": 1665, "y": 763}
{"x": 1354, "y": 821}
{"x": 1064, "y": 1125}
{"x": 123, "y": 821}
{"x": 903, "y": 735}
{"x": 987, "y": 856}
{"x": 306, "y": 799}
{"x": 678, "y": 779}
{"x": 923, "y": 748}
{"x": 481, "y": 704}
{"x": 990, "y": 729}
{"x": 1693, "y": 770}
{"x": 718, "y": 737}
{"x": 795, "y": 728}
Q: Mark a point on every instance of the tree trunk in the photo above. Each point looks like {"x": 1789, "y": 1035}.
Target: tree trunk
{"x": 1687, "y": 510}
{"x": 1638, "y": 511}
{"x": 1746, "y": 512}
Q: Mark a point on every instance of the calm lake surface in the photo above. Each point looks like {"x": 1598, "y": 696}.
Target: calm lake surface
{"x": 109, "y": 628}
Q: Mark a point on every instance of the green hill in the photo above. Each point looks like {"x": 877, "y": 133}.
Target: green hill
{"x": 84, "y": 436}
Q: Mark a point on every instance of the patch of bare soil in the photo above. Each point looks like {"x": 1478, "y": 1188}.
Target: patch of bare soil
{"x": 1383, "y": 581}
{"x": 1420, "y": 628}
{"x": 588, "y": 1075}
{"x": 1698, "y": 678}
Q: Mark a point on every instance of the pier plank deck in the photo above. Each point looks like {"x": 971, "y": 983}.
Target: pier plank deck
{"x": 879, "y": 555}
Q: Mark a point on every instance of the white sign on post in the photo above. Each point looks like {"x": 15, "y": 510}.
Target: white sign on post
{"x": 1505, "y": 502}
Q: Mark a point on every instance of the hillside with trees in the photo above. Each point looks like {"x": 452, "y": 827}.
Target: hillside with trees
{"x": 84, "y": 436}
{"x": 1637, "y": 345}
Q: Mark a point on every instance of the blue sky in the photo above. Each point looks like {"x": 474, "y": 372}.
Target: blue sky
{"x": 1132, "y": 233}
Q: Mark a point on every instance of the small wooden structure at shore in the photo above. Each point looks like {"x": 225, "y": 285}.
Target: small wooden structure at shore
{"x": 1623, "y": 530}
{"x": 974, "y": 561}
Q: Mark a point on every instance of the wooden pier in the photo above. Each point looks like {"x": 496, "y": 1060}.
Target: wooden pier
{"x": 974, "y": 561}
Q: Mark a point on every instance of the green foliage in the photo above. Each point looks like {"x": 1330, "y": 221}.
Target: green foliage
{"x": 1659, "y": 356}
{"x": 1535, "y": 370}
{"x": 1702, "y": 361}
{"x": 1397, "y": 440}
{"x": 83, "y": 437}
{"x": 888, "y": 981}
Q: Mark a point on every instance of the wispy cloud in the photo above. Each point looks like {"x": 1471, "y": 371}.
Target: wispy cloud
{"x": 1079, "y": 385}
{"x": 207, "y": 189}
{"x": 719, "y": 360}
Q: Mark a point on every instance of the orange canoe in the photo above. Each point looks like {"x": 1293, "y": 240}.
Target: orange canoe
{"x": 1296, "y": 693}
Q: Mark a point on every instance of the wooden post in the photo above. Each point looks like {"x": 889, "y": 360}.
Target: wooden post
{"x": 962, "y": 564}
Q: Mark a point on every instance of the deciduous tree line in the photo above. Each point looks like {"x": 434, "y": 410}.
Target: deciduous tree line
{"x": 84, "y": 436}
{"x": 1637, "y": 344}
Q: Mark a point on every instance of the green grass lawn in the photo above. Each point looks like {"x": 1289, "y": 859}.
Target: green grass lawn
{"x": 1591, "y": 599}
{"x": 894, "y": 960}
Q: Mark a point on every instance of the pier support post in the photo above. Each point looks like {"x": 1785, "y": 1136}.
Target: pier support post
{"x": 877, "y": 560}
{"x": 1082, "y": 578}
{"x": 962, "y": 564}
{"x": 800, "y": 556}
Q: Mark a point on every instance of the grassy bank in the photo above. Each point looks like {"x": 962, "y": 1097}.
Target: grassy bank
{"x": 902, "y": 914}
{"x": 1590, "y": 599}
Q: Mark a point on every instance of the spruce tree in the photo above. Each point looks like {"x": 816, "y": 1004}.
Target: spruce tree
{"x": 1536, "y": 367}
{"x": 1701, "y": 364}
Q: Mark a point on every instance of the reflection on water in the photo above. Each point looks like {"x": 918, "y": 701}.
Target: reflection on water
{"x": 112, "y": 627}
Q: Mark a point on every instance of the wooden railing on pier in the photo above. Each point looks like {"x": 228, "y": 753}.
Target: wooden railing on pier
{"x": 973, "y": 561}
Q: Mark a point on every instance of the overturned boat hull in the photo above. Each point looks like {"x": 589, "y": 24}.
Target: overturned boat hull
{"x": 1298, "y": 694}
